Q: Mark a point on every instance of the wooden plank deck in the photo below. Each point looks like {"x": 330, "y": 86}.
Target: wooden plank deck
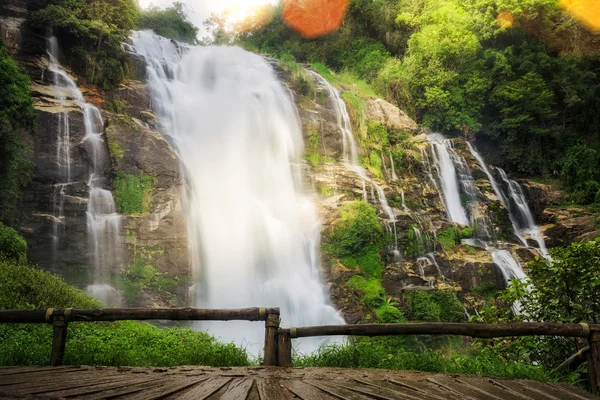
{"x": 262, "y": 383}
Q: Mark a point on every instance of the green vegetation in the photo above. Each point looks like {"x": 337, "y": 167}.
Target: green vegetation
{"x": 434, "y": 306}
{"x": 386, "y": 354}
{"x": 170, "y": 22}
{"x": 133, "y": 194}
{"x": 115, "y": 149}
{"x": 518, "y": 77}
{"x": 141, "y": 275}
{"x": 451, "y": 237}
{"x": 91, "y": 33}
{"x": 121, "y": 343}
{"x": 300, "y": 80}
{"x": 13, "y": 246}
{"x": 16, "y": 114}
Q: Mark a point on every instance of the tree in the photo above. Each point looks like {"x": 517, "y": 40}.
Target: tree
{"x": 171, "y": 22}
{"x": 16, "y": 114}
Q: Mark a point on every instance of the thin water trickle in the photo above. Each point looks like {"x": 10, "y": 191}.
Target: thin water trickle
{"x": 253, "y": 231}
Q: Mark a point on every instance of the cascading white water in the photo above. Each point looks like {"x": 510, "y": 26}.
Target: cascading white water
{"x": 103, "y": 223}
{"x": 453, "y": 168}
{"x": 253, "y": 233}
{"x": 394, "y": 176}
{"x": 448, "y": 178}
{"x": 517, "y": 205}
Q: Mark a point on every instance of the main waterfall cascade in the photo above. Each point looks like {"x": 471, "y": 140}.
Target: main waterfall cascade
{"x": 253, "y": 233}
{"x": 103, "y": 222}
{"x": 457, "y": 183}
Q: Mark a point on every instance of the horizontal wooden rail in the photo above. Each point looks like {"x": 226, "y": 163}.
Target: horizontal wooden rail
{"x": 459, "y": 329}
{"x": 136, "y": 314}
{"x": 590, "y": 332}
{"x": 60, "y": 319}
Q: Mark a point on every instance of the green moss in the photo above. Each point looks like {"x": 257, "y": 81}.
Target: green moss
{"x": 115, "y": 149}
{"x": 357, "y": 113}
{"x": 133, "y": 193}
{"x": 324, "y": 189}
{"x": 116, "y": 106}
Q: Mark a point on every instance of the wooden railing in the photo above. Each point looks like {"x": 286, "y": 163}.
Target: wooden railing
{"x": 60, "y": 320}
{"x": 589, "y": 332}
{"x": 278, "y": 342}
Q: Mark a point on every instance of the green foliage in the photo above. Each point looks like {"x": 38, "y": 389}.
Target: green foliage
{"x": 373, "y": 296}
{"x": 451, "y": 237}
{"x": 91, "y": 34}
{"x": 113, "y": 344}
{"x": 12, "y": 245}
{"x": 581, "y": 174}
{"x": 26, "y": 287}
{"x": 170, "y": 22}
{"x": 133, "y": 194}
{"x": 301, "y": 81}
{"x": 357, "y": 230}
{"x": 16, "y": 114}
{"x": 434, "y": 306}
{"x": 142, "y": 275}
{"x": 117, "y": 344}
{"x": 311, "y": 153}
{"x": 384, "y": 353}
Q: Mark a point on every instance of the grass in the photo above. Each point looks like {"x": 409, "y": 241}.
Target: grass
{"x": 347, "y": 80}
{"x": 117, "y": 344}
{"x": 384, "y": 353}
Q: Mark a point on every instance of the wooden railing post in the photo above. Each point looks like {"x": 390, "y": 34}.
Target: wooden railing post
{"x": 594, "y": 361}
{"x": 271, "y": 328}
{"x": 59, "y": 339}
{"x": 284, "y": 348}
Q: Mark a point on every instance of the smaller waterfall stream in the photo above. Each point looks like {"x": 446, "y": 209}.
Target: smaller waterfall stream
{"x": 461, "y": 198}
{"x": 350, "y": 152}
{"x": 516, "y": 204}
{"x": 103, "y": 222}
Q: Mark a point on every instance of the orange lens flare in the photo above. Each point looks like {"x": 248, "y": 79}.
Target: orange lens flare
{"x": 586, "y": 11}
{"x": 314, "y": 18}
{"x": 505, "y": 20}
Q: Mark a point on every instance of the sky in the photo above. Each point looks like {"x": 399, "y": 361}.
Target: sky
{"x": 202, "y": 9}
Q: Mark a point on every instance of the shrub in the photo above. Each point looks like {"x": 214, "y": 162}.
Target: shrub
{"x": 12, "y": 245}
{"x": 434, "y": 306}
{"x": 133, "y": 193}
{"x": 358, "y": 229}
{"x": 26, "y": 287}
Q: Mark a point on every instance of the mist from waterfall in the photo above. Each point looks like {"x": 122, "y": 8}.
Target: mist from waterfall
{"x": 103, "y": 222}
{"x": 253, "y": 231}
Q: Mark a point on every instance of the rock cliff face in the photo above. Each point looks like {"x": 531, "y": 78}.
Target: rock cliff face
{"x": 59, "y": 240}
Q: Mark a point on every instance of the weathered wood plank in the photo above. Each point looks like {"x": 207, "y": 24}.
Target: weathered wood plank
{"x": 423, "y": 389}
{"x": 269, "y": 389}
{"x": 593, "y": 359}
{"x": 63, "y": 385}
{"x": 97, "y": 388}
{"x": 59, "y": 339}
{"x": 566, "y": 390}
{"x": 446, "y": 328}
{"x": 125, "y": 391}
{"x": 306, "y": 391}
{"x": 337, "y": 391}
{"x": 270, "y": 351}
{"x": 206, "y": 389}
{"x": 376, "y": 392}
{"x": 238, "y": 389}
{"x": 170, "y": 386}
{"x": 43, "y": 380}
{"x": 34, "y": 370}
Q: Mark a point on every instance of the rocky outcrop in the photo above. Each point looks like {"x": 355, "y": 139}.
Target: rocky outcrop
{"x": 387, "y": 114}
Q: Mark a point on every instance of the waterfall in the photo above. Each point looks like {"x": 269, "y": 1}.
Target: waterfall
{"x": 103, "y": 222}
{"x": 516, "y": 205}
{"x": 456, "y": 180}
{"x": 350, "y": 155}
{"x": 448, "y": 177}
{"x": 394, "y": 176}
{"x": 253, "y": 231}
